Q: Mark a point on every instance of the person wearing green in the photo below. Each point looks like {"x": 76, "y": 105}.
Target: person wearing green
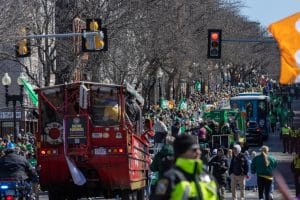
{"x": 285, "y": 136}
{"x": 263, "y": 165}
{"x": 187, "y": 178}
{"x": 162, "y": 160}
{"x": 32, "y": 160}
{"x": 273, "y": 121}
{"x": 290, "y": 115}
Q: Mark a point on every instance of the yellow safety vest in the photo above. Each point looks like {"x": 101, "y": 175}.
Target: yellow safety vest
{"x": 185, "y": 190}
{"x": 285, "y": 131}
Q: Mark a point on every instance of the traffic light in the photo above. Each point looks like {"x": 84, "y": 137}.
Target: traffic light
{"x": 23, "y": 48}
{"x": 214, "y": 43}
{"x": 96, "y": 42}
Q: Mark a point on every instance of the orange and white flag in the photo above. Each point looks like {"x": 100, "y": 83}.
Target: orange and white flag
{"x": 287, "y": 34}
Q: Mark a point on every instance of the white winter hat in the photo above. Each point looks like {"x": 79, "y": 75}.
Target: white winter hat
{"x": 215, "y": 151}
{"x": 238, "y": 148}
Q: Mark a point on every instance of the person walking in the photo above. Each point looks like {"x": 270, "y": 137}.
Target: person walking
{"x": 293, "y": 140}
{"x": 186, "y": 179}
{"x": 219, "y": 165}
{"x": 229, "y": 155}
{"x": 285, "y": 136}
{"x": 252, "y": 181}
{"x": 238, "y": 171}
{"x": 295, "y": 167}
{"x": 263, "y": 165}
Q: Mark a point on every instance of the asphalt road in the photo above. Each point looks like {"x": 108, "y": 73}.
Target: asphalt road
{"x": 284, "y": 160}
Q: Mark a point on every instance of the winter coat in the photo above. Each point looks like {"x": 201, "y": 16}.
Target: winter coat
{"x": 219, "y": 168}
{"x": 16, "y": 166}
{"x": 163, "y": 160}
{"x": 239, "y": 165}
{"x": 258, "y": 166}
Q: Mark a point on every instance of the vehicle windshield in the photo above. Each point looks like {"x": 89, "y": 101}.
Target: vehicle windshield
{"x": 105, "y": 108}
{"x": 262, "y": 109}
{"x": 252, "y": 125}
{"x": 49, "y": 115}
{"x": 249, "y": 109}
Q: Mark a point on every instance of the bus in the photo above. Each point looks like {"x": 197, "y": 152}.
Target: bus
{"x": 255, "y": 108}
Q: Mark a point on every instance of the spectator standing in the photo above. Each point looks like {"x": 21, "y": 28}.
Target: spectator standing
{"x": 219, "y": 165}
{"x": 161, "y": 131}
{"x": 229, "y": 157}
{"x": 263, "y": 165}
{"x": 285, "y": 136}
{"x": 205, "y": 157}
{"x": 293, "y": 140}
{"x": 164, "y": 159}
{"x": 252, "y": 181}
{"x": 175, "y": 129}
{"x": 238, "y": 171}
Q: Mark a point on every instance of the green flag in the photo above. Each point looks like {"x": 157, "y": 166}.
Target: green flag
{"x": 198, "y": 86}
{"x": 164, "y": 104}
{"x": 183, "y": 104}
{"x": 31, "y": 93}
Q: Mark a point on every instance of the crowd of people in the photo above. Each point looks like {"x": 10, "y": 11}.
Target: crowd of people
{"x": 18, "y": 161}
{"x": 229, "y": 171}
{"x": 232, "y": 168}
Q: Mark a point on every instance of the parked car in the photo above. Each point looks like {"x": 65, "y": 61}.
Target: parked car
{"x": 254, "y": 133}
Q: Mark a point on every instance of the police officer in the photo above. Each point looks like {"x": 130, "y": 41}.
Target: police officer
{"x": 285, "y": 135}
{"x": 295, "y": 167}
{"x": 186, "y": 179}
{"x": 16, "y": 166}
{"x": 293, "y": 140}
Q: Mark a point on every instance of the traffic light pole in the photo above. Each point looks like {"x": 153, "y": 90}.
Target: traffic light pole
{"x": 248, "y": 40}
{"x": 60, "y": 35}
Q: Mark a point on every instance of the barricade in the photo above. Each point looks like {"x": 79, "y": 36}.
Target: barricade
{"x": 222, "y": 140}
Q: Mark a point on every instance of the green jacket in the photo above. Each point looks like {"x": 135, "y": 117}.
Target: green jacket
{"x": 258, "y": 166}
{"x": 186, "y": 181}
{"x": 158, "y": 163}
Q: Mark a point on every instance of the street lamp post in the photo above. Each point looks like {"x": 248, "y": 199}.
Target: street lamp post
{"x": 6, "y": 81}
{"x": 160, "y": 75}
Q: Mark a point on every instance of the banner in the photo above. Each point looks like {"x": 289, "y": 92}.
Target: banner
{"x": 198, "y": 86}
{"x": 31, "y": 93}
{"x": 164, "y": 104}
{"x": 287, "y": 34}
{"x": 182, "y": 104}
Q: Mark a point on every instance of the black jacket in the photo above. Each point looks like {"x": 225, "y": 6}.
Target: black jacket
{"x": 239, "y": 165}
{"x": 16, "y": 166}
{"x": 219, "y": 166}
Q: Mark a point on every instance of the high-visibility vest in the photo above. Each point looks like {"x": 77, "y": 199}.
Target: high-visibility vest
{"x": 297, "y": 163}
{"x": 184, "y": 189}
{"x": 285, "y": 131}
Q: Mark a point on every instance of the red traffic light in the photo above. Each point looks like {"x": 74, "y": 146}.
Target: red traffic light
{"x": 214, "y": 36}
{"x": 214, "y": 43}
